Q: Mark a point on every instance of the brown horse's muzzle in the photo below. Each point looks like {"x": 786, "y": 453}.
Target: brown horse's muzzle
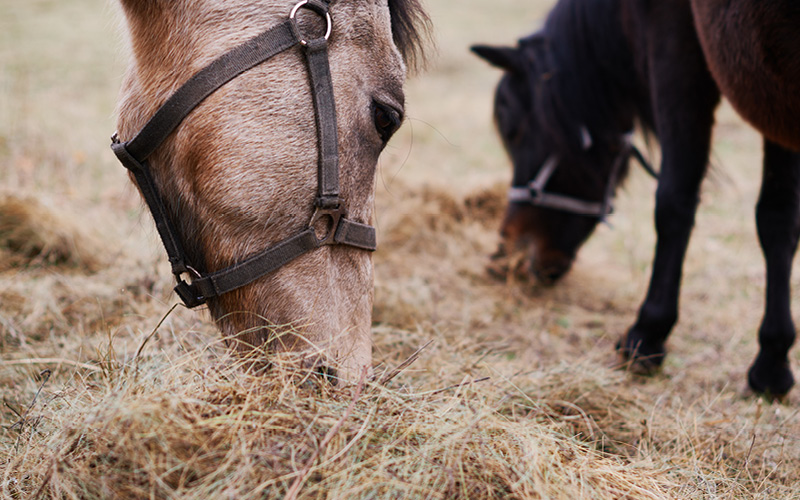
{"x": 549, "y": 266}
{"x": 525, "y": 249}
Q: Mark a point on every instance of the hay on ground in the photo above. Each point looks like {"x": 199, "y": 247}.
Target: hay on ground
{"x": 34, "y": 231}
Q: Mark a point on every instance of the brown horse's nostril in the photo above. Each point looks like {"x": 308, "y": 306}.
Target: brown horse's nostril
{"x": 327, "y": 374}
{"x": 550, "y": 275}
{"x": 320, "y": 376}
{"x": 550, "y": 268}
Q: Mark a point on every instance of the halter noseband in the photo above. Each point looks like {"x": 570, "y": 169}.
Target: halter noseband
{"x": 535, "y": 194}
{"x": 133, "y": 155}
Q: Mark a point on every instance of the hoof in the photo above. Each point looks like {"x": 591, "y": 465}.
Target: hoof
{"x": 638, "y": 357}
{"x": 770, "y": 379}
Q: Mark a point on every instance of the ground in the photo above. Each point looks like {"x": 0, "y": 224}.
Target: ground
{"x": 515, "y": 394}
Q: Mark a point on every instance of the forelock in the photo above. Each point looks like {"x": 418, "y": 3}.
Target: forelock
{"x": 411, "y": 30}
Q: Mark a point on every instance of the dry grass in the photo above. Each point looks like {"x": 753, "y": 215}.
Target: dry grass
{"x": 515, "y": 394}
{"x": 201, "y": 427}
{"x": 33, "y": 232}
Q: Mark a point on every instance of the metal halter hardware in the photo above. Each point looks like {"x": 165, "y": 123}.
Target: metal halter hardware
{"x": 133, "y": 155}
{"x": 535, "y": 194}
{"x": 296, "y": 28}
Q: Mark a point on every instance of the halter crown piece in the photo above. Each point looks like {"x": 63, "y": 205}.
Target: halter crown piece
{"x": 329, "y": 207}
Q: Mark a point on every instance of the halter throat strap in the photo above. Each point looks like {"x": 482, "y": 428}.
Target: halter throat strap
{"x": 133, "y": 154}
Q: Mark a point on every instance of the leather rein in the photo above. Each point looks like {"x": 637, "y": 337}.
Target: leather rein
{"x": 534, "y": 192}
{"x": 329, "y": 208}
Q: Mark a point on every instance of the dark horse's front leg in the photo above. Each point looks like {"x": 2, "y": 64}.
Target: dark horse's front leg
{"x": 684, "y": 98}
{"x": 676, "y": 204}
{"x": 778, "y": 224}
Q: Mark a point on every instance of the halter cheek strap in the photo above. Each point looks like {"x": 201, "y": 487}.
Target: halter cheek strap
{"x": 133, "y": 155}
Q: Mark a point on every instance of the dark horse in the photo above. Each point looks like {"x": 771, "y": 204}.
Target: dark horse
{"x": 572, "y": 93}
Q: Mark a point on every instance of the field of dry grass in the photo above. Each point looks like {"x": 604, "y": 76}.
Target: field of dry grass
{"x": 515, "y": 394}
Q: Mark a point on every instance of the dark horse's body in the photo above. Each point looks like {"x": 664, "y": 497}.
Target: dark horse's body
{"x": 572, "y": 92}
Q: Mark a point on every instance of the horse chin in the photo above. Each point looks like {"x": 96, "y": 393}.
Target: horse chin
{"x": 549, "y": 275}
{"x": 306, "y": 325}
{"x": 303, "y": 348}
{"x": 550, "y": 267}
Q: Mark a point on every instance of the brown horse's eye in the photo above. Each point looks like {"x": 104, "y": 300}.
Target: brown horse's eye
{"x": 387, "y": 120}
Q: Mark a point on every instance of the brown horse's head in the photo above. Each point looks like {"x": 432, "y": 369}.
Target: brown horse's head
{"x": 568, "y": 147}
{"x": 240, "y": 172}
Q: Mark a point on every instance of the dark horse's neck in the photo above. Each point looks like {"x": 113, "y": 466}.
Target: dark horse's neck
{"x": 592, "y": 76}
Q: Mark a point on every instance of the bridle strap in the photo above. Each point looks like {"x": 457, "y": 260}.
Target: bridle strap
{"x": 166, "y": 229}
{"x": 325, "y": 112}
{"x": 548, "y": 167}
{"x": 222, "y": 70}
{"x": 245, "y": 272}
{"x": 133, "y": 154}
{"x": 646, "y": 165}
{"x": 342, "y": 231}
{"x": 534, "y": 193}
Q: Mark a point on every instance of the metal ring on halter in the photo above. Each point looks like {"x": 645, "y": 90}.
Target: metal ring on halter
{"x": 310, "y": 6}
{"x": 190, "y": 273}
{"x": 194, "y": 271}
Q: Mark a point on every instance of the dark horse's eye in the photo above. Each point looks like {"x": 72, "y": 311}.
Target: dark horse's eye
{"x": 387, "y": 120}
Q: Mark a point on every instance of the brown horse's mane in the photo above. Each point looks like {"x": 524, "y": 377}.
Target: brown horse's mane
{"x": 410, "y": 29}
{"x": 585, "y": 74}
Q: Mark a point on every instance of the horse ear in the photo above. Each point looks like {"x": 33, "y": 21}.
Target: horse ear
{"x": 534, "y": 39}
{"x": 508, "y": 58}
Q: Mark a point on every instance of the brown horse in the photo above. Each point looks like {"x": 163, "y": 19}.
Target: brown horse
{"x": 752, "y": 50}
{"x": 234, "y": 170}
{"x": 573, "y": 92}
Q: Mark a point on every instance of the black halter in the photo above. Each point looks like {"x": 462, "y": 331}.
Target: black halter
{"x": 534, "y": 193}
{"x": 134, "y": 153}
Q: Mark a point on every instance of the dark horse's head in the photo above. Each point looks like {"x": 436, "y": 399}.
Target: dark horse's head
{"x": 567, "y": 132}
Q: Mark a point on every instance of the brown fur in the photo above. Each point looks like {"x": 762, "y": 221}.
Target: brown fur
{"x": 240, "y": 173}
{"x": 752, "y": 51}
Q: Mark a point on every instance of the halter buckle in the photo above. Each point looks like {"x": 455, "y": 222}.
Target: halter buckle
{"x": 188, "y": 295}
{"x": 335, "y": 215}
{"x": 536, "y": 192}
{"x": 186, "y": 290}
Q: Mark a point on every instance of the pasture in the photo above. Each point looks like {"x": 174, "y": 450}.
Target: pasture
{"x": 483, "y": 388}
